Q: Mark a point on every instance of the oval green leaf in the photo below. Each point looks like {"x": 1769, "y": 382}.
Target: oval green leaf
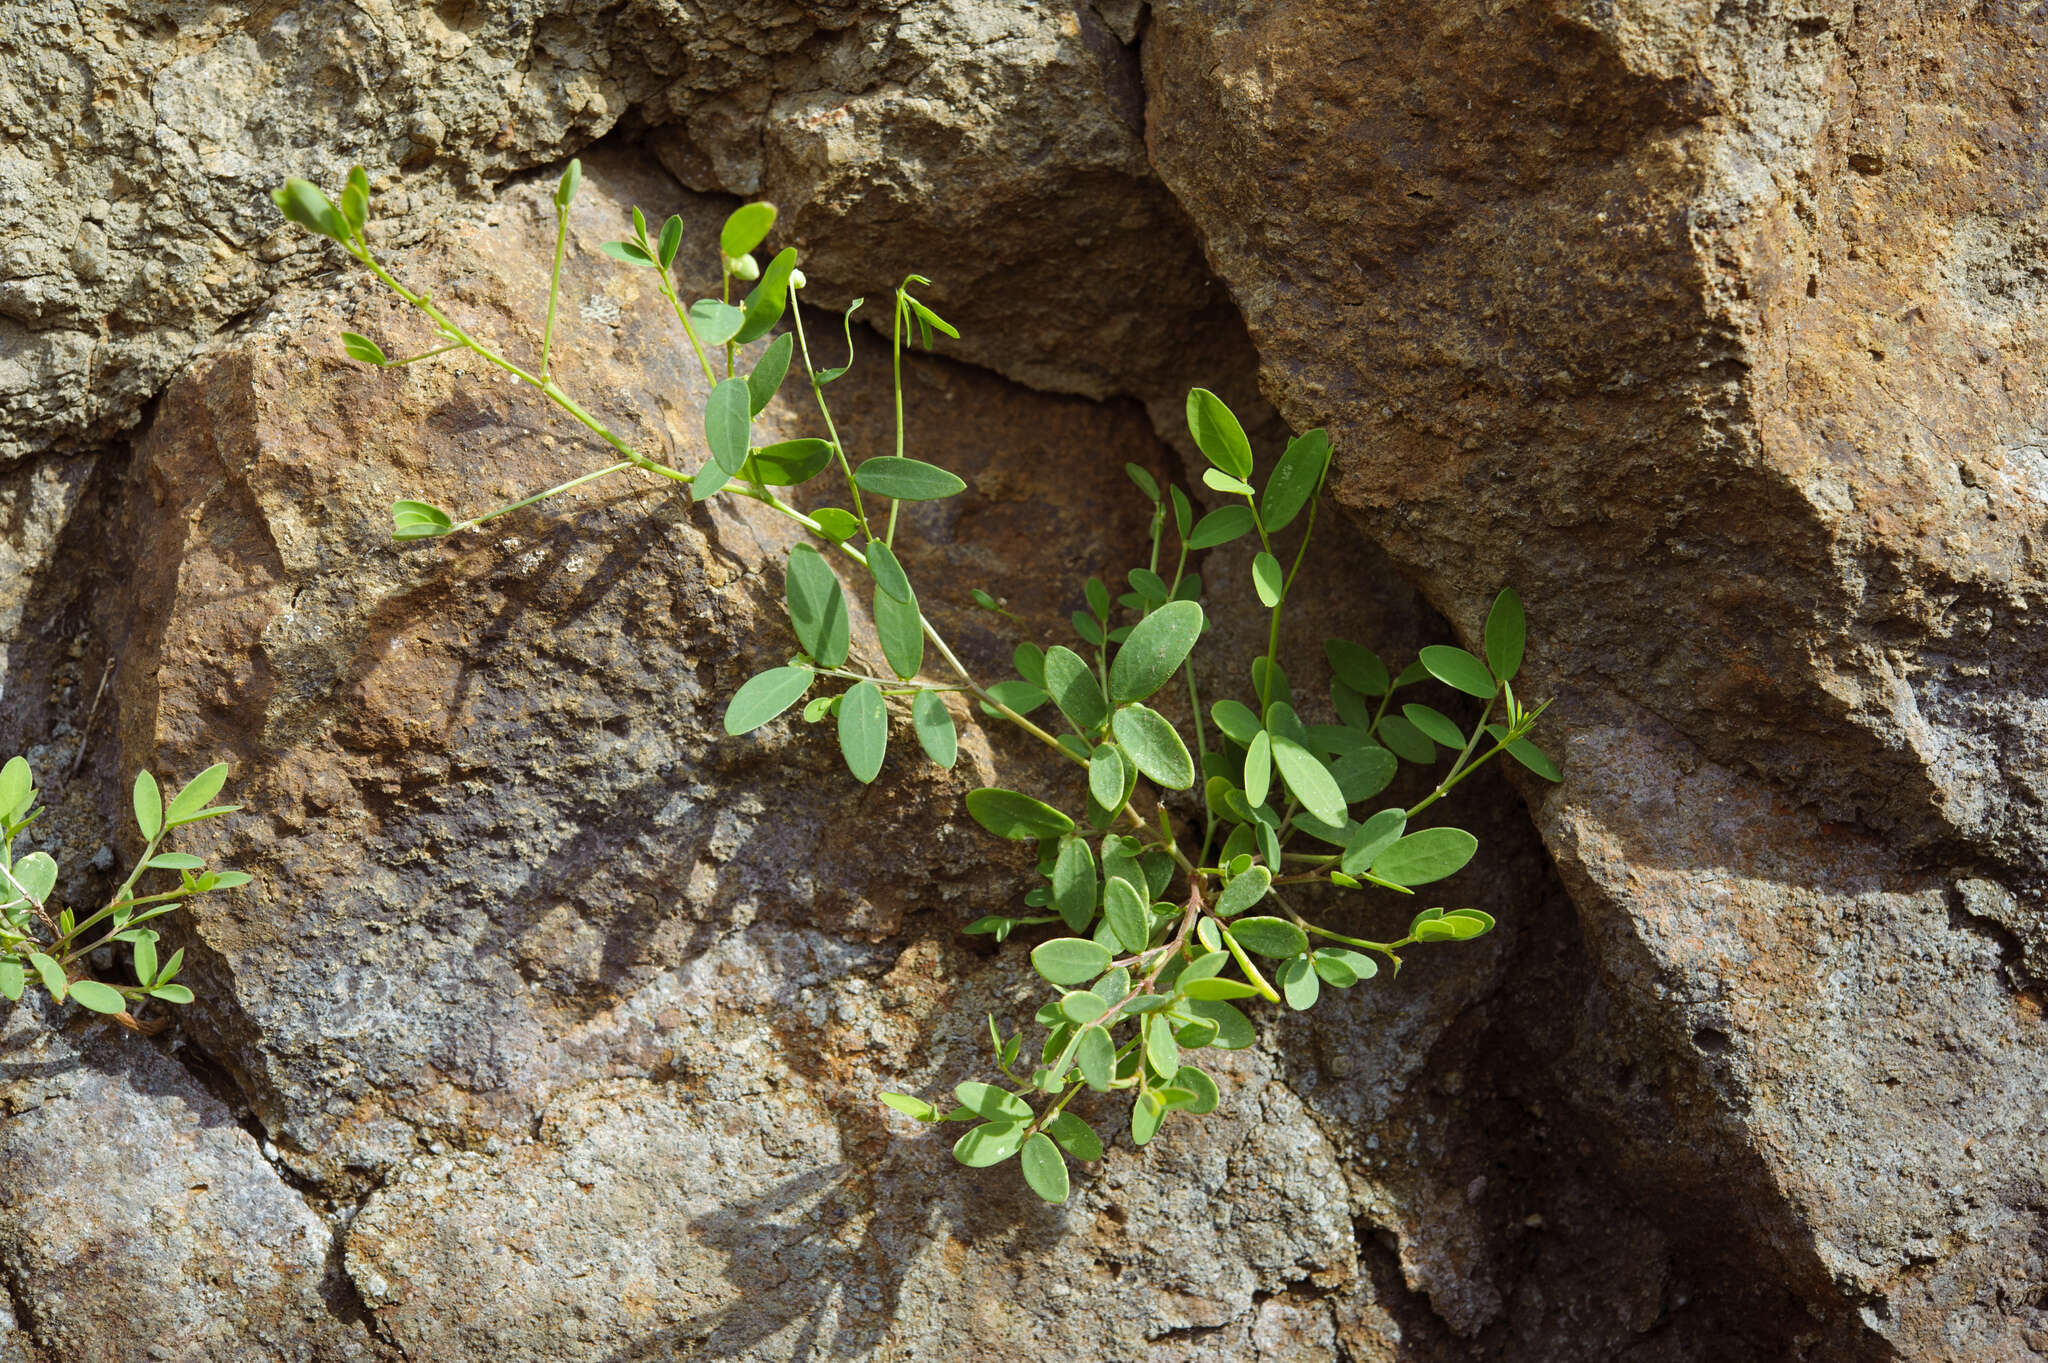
{"x": 1299, "y": 984}
{"x": 990, "y": 1143}
{"x": 197, "y": 794}
{"x": 1221, "y": 527}
{"x": 1274, "y": 937}
{"x": 900, "y": 627}
{"x": 1154, "y": 747}
{"x": 787, "y": 463}
{"x": 1218, "y": 434}
{"x": 1506, "y": 633}
{"x": 1009, "y": 814}
{"x": 817, "y": 607}
{"x": 864, "y": 731}
{"x": 1074, "y": 688}
{"x": 1309, "y": 780}
{"x": 1156, "y": 648}
{"x": 1106, "y": 777}
{"x": 766, "y": 378}
{"x": 935, "y": 731}
{"x": 1427, "y": 856}
{"x": 1258, "y": 769}
{"x": 1457, "y": 668}
{"x": 766, "y": 696}
{"x": 885, "y": 568}
{"x": 1295, "y": 479}
{"x": 986, "y": 1100}
{"x": 1124, "y": 908}
{"x": 1075, "y": 1137}
{"x": 1045, "y": 1169}
{"x": 1067, "y": 961}
{"x": 1244, "y": 892}
{"x": 1074, "y": 886}
{"x": 149, "y": 805}
{"x": 729, "y": 424}
{"x": 1095, "y": 1053}
{"x": 906, "y": 480}
{"x": 1373, "y": 837}
{"x": 768, "y": 298}
{"x": 101, "y": 998}
{"x": 1436, "y": 724}
{"x": 745, "y": 228}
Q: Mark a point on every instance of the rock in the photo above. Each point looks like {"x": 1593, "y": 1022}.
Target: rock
{"x": 1011, "y": 132}
{"x": 138, "y": 1220}
{"x": 147, "y": 144}
{"x": 1709, "y": 335}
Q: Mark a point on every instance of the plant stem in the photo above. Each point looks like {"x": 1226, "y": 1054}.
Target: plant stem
{"x": 547, "y": 339}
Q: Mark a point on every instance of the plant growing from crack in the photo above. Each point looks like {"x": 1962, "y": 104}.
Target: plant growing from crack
{"x": 54, "y": 945}
{"x": 1178, "y": 874}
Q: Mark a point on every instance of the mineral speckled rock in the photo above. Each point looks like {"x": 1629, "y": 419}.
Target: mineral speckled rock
{"x": 145, "y": 140}
{"x": 1709, "y": 330}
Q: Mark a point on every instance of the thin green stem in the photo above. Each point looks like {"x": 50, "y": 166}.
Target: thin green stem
{"x": 474, "y": 521}
{"x": 547, "y": 339}
{"x": 803, "y": 346}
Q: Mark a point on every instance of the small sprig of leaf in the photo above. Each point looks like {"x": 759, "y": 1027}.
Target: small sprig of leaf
{"x": 54, "y": 946}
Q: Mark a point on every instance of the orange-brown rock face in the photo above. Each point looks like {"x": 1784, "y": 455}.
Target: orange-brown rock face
{"x": 1711, "y": 330}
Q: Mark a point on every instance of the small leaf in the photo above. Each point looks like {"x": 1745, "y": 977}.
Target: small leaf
{"x": 35, "y": 875}
{"x": 986, "y": 1100}
{"x": 1074, "y": 688}
{"x": 787, "y": 463}
{"x": 1274, "y": 937}
{"x": 817, "y": 607}
{"x": 769, "y": 298}
{"x": 627, "y": 253}
{"x": 746, "y": 228}
{"x": 1082, "y": 1006}
{"x": 1074, "y": 887}
{"x": 1106, "y": 777}
{"x": 1160, "y": 1047}
{"x": 149, "y": 805}
{"x": 766, "y": 379}
{"x": 913, "y": 1107}
{"x": 1221, "y": 527}
{"x": 1236, "y": 720}
{"x": 1268, "y": 580}
{"x": 1364, "y": 773}
{"x": 716, "y": 323}
{"x": 1075, "y": 1137}
{"x": 864, "y": 731}
{"x": 1095, "y": 1053}
{"x": 1506, "y": 632}
{"x": 196, "y": 795}
{"x": 571, "y": 181}
{"x": 1408, "y": 742}
{"x": 933, "y": 724}
{"x": 1145, "y": 482}
{"x": 145, "y": 957}
{"x": 1357, "y": 667}
{"x": 989, "y": 1144}
{"x": 1218, "y": 989}
{"x": 906, "y": 480}
{"x": 1421, "y": 858}
{"x": 419, "y": 520}
{"x": 302, "y": 202}
{"x": 1299, "y": 984}
{"x": 1008, "y": 814}
{"x": 1436, "y": 725}
{"x": 671, "y": 241}
{"x": 836, "y": 523}
{"x": 1218, "y": 435}
{"x": 1155, "y": 650}
{"x": 171, "y": 993}
{"x": 1308, "y": 780}
{"x": 1528, "y": 754}
{"x": 13, "y": 979}
{"x": 728, "y": 424}
{"x": 1044, "y": 1169}
{"x": 1124, "y": 909}
{"x": 17, "y": 789}
{"x": 1295, "y": 479}
{"x": 1070, "y": 960}
{"x": 888, "y": 572}
{"x": 1146, "y": 1113}
{"x": 1223, "y": 482}
{"x": 1457, "y": 668}
{"x": 1154, "y": 747}
{"x": 101, "y": 998}
{"x": 52, "y": 974}
{"x": 1258, "y": 769}
{"x": 900, "y": 627}
{"x": 766, "y": 696}
{"x": 360, "y": 347}
{"x": 1020, "y": 696}
{"x": 1373, "y": 837}
{"x": 1243, "y": 892}
{"x": 1234, "y": 1029}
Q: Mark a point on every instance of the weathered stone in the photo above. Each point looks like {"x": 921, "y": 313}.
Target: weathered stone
{"x": 145, "y": 140}
{"x": 138, "y": 1220}
{"x": 1707, "y": 331}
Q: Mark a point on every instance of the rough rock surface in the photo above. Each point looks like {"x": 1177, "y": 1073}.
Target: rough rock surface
{"x": 142, "y": 141}
{"x": 1710, "y": 329}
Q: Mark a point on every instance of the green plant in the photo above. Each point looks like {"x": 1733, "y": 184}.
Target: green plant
{"x": 1193, "y": 856}
{"x": 56, "y": 944}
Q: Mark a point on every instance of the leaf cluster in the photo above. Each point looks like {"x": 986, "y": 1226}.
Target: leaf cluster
{"x": 54, "y": 946}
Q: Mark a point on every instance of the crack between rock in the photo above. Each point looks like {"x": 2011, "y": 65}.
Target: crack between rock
{"x": 18, "y": 1303}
